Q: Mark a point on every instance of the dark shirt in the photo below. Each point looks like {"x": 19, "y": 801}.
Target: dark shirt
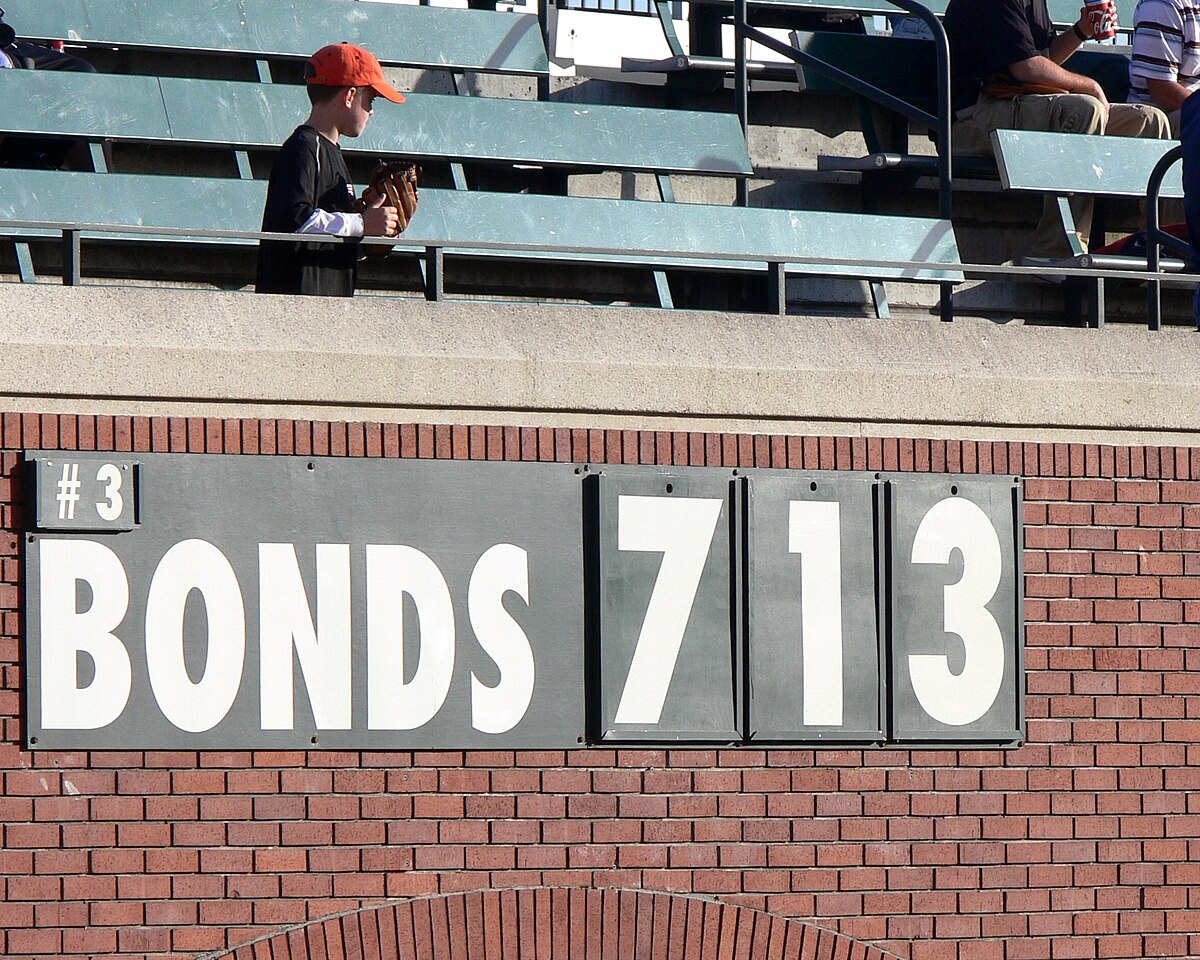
{"x": 309, "y": 174}
{"x": 987, "y": 37}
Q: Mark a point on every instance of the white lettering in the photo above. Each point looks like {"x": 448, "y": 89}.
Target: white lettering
{"x": 285, "y": 621}
{"x": 958, "y": 524}
{"x": 187, "y": 566}
{"x": 815, "y": 532}
{"x": 392, "y": 572}
{"x": 681, "y": 529}
{"x": 501, "y": 569}
{"x": 66, "y": 632}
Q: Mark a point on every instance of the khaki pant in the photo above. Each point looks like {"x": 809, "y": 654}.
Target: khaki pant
{"x": 1060, "y": 113}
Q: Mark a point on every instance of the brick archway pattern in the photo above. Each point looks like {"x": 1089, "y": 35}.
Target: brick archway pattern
{"x": 556, "y": 924}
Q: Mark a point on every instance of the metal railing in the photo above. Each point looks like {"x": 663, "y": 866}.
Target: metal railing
{"x": 744, "y": 32}
{"x": 637, "y": 8}
{"x": 433, "y": 252}
{"x": 1156, "y": 238}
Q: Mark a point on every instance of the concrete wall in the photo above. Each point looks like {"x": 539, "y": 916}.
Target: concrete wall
{"x": 149, "y": 351}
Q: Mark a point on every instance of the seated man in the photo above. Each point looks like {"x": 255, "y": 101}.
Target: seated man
{"x": 1165, "y": 68}
{"x": 1006, "y": 73}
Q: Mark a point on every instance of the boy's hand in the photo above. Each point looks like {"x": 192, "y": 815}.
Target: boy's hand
{"x": 380, "y": 220}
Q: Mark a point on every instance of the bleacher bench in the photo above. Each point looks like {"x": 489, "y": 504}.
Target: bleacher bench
{"x": 239, "y": 115}
{"x": 771, "y": 243}
{"x": 416, "y": 36}
{"x": 1063, "y": 164}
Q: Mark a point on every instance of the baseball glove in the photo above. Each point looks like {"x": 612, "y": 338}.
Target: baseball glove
{"x": 396, "y": 181}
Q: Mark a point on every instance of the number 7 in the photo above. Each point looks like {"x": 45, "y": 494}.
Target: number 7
{"x": 681, "y": 529}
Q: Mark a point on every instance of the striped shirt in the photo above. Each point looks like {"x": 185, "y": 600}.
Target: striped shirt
{"x": 1166, "y": 45}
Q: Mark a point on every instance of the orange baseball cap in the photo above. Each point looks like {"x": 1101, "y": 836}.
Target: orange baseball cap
{"x": 345, "y": 65}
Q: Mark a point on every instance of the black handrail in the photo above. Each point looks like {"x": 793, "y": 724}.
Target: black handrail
{"x": 941, "y": 123}
{"x": 1156, "y": 237}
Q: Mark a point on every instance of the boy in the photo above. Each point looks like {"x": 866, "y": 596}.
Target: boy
{"x": 310, "y": 191}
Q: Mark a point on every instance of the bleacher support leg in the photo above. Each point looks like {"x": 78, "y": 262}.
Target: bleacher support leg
{"x": 434, "y": 277}
{"x": 777, "y": 288}
{"x": 946, "y": 302}
{"x": 879, "y": 298}
{"x": 25, "y": 263}
{"x": 665, "y": 300}
{"x": 70, "y": 253}
{"x": 1153, "y": 305}
{"x": 1095, "y": 315}
{"x": 99, "y": 160}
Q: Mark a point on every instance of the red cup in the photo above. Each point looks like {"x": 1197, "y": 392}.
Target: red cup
{"x": 1104, "y": 21}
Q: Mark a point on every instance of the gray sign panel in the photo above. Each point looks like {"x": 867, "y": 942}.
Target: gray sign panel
{"x": 85, "y": 491}
{"x": 814, "y": 607}
{"x": 668, "y": 657}
{"x": 956, "y": 664}
{"x": 283, "y": 602}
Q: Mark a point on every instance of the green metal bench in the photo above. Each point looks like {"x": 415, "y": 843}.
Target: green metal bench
{"x": 427, "y": 126}
{"x": 780, "y": 12}
{"x": 562, "y": 136}
{"x": 1063, "y": 164}
{"x": 468, "y": 40}
{"x": 905, "y": 69}
{"x": 657, "y": 236}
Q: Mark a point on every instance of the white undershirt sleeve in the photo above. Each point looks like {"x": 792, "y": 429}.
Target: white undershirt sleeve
{"x": 333, "y": 224}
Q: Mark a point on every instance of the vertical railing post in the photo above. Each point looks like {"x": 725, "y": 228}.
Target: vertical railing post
{"x": 741, "y": 87}
{"x": 435, "y": 283}
{"x": 70, "y": 253}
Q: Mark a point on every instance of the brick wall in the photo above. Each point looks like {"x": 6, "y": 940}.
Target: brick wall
{"x": 1083, "y": 843}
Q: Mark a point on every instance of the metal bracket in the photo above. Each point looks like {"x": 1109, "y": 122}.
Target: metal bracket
{"x": 24, "y": 262}
{"x": 879, "y": 298}
{"x": 99, "y": 161}
{"x": 666, "y": 189}
{"x": 664, "y": 290}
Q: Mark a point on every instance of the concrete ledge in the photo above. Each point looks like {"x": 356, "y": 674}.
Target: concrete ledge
{"x": 168, "y": 352}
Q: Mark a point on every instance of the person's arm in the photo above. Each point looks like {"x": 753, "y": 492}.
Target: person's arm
{"x": 1044, "y": 70}
{"x": 1168, "y": 94}
{"x": 293, "y": 189}
{"x": 1157, "y": 51}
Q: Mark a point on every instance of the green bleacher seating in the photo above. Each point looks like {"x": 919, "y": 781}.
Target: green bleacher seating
{"x": 906, "y": 68}
{"x": 657, "y": 236}
{"x": 245, "y": 115}
{"x": 1062, "y": 164}
{"x": 473, "y": 40}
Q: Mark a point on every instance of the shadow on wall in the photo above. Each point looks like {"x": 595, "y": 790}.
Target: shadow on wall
{"x": 555, "y": 923}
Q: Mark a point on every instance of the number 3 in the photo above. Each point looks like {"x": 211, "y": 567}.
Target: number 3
{"x": 960, "y": 699}
{"x": 110, "y": 475}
